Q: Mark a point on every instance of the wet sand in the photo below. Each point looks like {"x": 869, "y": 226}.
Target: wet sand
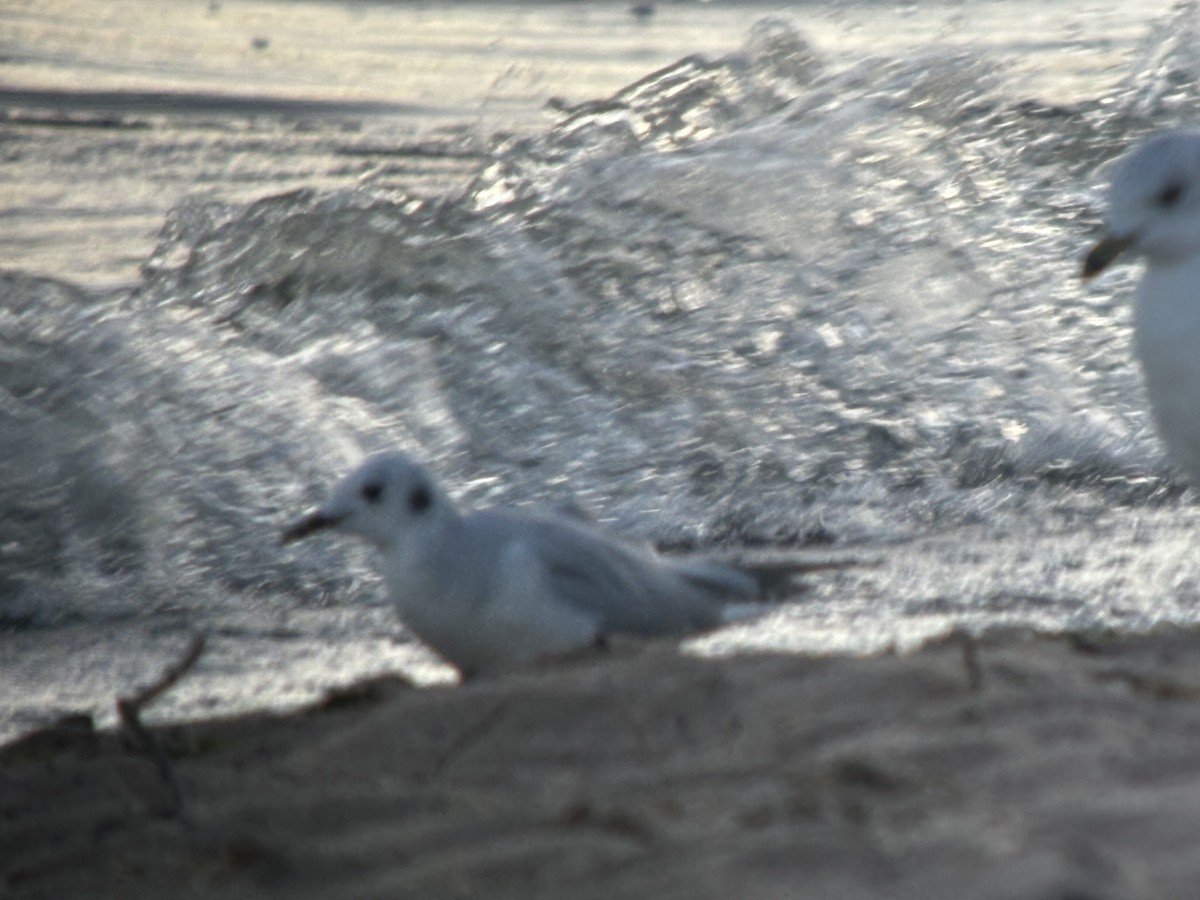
{"x": 1015, "y": 767}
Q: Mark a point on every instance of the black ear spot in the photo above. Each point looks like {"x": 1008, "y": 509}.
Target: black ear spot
{"x": 1169, "y": 195}
{"x": 372, "y": 491}
{"x": 419, "y": 499}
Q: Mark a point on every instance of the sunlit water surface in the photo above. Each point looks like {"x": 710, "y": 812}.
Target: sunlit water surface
{"x": 814, "y": 288}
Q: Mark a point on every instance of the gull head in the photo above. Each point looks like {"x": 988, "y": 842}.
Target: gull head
{"x": 387, "y": 498}
{"x": 1153, "y": 204}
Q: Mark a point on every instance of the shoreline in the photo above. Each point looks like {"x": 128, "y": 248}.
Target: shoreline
{"x": 1011, "y": 766}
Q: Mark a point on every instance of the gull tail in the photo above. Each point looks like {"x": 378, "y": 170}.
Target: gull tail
{"x": 777, "y": 576}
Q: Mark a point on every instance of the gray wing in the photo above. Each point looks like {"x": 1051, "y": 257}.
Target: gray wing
{"x": 627, "y": 589}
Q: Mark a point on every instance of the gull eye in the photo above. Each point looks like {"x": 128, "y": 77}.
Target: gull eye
{"x": 1169, "y": 195}
{"x": 372, "y": 491}
{"x": 419, "y": 499}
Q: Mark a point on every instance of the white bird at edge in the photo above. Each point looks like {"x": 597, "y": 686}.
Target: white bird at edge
{"x": 1154, "y": 212}
{"x": 495, "y": 589}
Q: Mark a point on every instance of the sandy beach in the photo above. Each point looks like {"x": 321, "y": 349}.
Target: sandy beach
{"x": 1016, "y": 767}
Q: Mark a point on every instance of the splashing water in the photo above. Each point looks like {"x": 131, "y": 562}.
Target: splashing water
{"x": 756, "y": 301}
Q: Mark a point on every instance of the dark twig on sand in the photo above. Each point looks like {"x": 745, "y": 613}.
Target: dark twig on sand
{"x": 970, "y": 652}
{"x": 130, "y": 709}
{"x": 470, "y": 735}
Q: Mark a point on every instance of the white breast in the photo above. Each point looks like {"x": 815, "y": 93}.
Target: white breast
{"x": 1167, "y": 340}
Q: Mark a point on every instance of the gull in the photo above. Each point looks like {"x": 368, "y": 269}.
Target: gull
{"x": 1154, "y": 211}
{"x": 494, "y": 589}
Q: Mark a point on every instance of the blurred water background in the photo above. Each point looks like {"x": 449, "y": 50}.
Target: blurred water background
{"x": 736, "y": 277}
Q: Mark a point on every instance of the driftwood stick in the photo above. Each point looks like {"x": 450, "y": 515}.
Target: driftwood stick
{"x": 129, "y": 709}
